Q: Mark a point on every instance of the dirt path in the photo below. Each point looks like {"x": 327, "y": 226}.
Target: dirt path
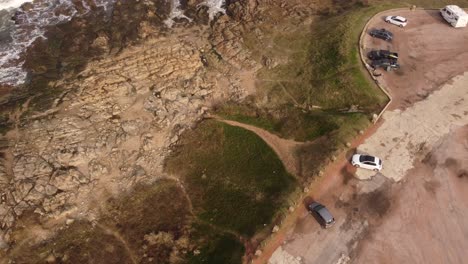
{"x": 284, "y": 148}
{"x": 120, "y": 239}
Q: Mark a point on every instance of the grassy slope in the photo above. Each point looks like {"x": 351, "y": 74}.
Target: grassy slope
{"x": 81, "y": 242}
{"x": 323, "y": 74}
{"x": 214, "y": 247}
{"x": 161, "y": 208}
{"x": 236, "y": 181}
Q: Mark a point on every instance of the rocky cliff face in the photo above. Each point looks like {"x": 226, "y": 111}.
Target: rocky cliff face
{"x": 111, "y": 128}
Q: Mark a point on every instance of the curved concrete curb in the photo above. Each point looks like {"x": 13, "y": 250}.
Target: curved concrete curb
{"x": 368, "y": 67}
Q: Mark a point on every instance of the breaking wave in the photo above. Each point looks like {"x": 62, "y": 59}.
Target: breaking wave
{"x": 214, "y": 7}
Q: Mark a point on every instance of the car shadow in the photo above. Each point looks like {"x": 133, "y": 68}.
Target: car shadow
{"x": 436, "y": 16}
{"x": 307, "y": 200}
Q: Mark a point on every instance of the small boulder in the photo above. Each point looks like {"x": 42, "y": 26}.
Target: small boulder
{"x": 275, "y": 229}
{"x": 69, "y": 221}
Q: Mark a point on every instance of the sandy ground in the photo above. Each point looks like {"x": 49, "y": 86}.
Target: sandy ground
{"x": 429, "y": 221}
{"x": 431, "y": 52}
{"x": 415, "y": 211}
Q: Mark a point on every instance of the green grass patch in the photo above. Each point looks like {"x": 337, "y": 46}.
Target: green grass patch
{"x": 214, "y": 247}
{"x": 303, "y": 97}
{"x": 291, "y": 122}
{"x": 81, "y": 242}
{"x": 326, "y": 73}
{"x": 150, "y": 224}
{"x": 153, "y": 219}
{"x": 322, "y": 70}
{"x": 235, "y": 180}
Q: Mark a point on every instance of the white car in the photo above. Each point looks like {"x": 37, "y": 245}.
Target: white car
{"x": 397, "y": 20}
{"x": 366, "y": 162}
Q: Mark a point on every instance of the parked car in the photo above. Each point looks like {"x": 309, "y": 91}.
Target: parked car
{"x": 366, "y": 162}
{"x": 381, "y": 34}
{"x": 397, "y": 20}
{"x": 387, "y": 64}
{"x": 322, "y": 214}
{"x": 382, "y": 54}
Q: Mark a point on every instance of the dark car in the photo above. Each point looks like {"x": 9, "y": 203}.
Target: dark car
{"x": 322, "y": 214}
{"x": 381, "y": 34}
{"x": 387, "y": 64}
{"x": 382, "y": 54}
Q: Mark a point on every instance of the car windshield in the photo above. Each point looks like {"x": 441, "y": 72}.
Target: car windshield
{"x": 318, "y": 207}
{"x": 384, "y": 31}
{"x": 367, "y": 158}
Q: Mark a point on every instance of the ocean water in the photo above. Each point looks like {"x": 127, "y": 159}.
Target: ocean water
{"x": 10, "y": 68}
{"x": 31, "y": 25}
{"x": 16, "y": 37}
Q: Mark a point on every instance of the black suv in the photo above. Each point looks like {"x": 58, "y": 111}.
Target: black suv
{"x": 322, "y": 214}
{"x": 382, "y": 54}
{"x": 381, "y": 34}
{"x": 387, "y": 64}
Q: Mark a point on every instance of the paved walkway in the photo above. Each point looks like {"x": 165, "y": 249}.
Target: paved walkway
{"x": 408, "y": 135}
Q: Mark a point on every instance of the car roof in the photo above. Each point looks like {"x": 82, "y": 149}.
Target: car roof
{"x": 325, "y": 214}
{"x": 313, "y": 205}
{"x": 399, "y": 18}
{"x": 384, "y": 31}
{"x": 322, "y": 211}
{"x": 363, "y": 158}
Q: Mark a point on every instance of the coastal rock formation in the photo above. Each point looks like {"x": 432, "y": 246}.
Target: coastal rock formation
{"x": 112, "y": 128}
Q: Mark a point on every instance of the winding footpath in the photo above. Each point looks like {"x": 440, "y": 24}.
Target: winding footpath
{"x": 284, "y": 148}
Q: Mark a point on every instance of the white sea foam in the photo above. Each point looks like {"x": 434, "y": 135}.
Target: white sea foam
{"x": 7, "y": 4}
{"x": 176, "y": 12}
{"x": 214, "y": 7}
